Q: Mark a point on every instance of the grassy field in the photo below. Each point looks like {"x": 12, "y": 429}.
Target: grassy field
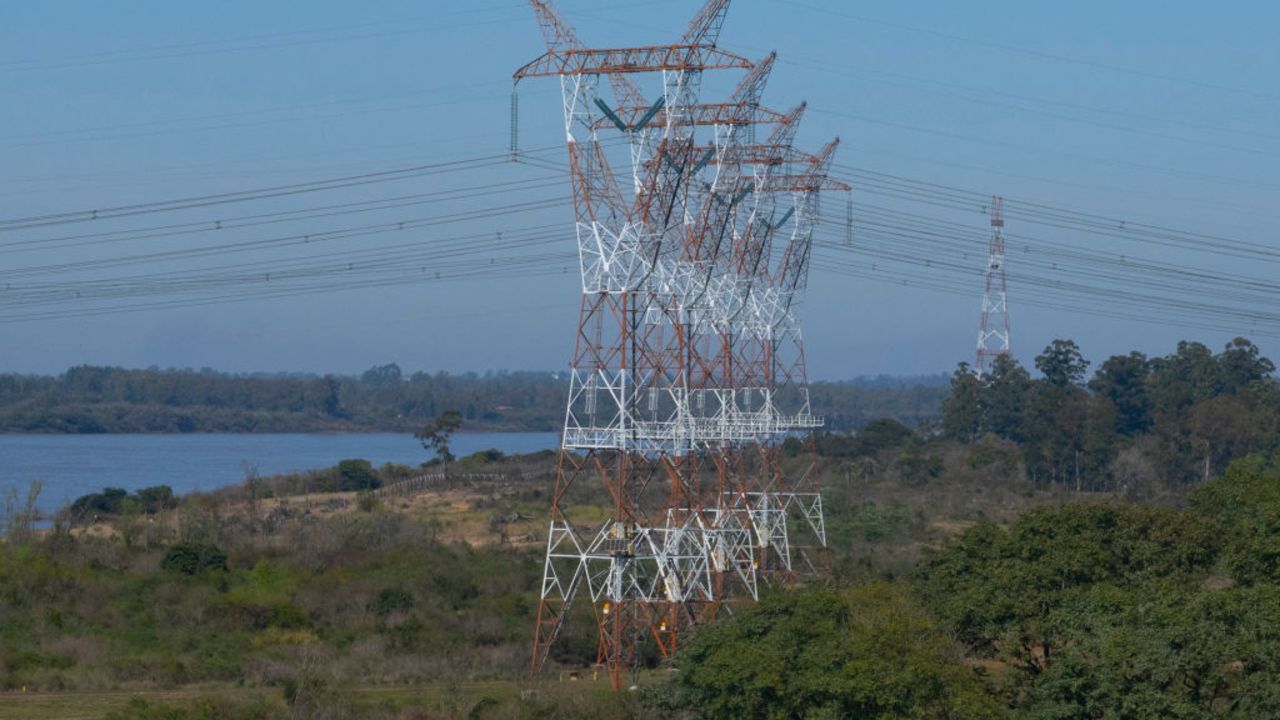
{"x": 446, "y": 697}
{"x": 95, "y": 705}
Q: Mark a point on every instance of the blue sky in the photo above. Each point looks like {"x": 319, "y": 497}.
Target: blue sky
{"x": 1159, "y": 112}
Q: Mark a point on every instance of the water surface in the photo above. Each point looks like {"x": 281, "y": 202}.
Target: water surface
{"x": 75, "y": 465}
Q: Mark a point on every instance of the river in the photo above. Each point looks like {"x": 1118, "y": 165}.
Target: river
{"x": 75, "y": 465}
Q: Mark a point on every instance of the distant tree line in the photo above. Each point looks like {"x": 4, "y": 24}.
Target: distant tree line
{"x": 89, "y": 399}
{"x": 1181, "y": 418}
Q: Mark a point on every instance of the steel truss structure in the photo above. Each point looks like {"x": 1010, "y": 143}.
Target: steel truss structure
{"x": 688, "y": 372}
{"x": 993, "y": 328}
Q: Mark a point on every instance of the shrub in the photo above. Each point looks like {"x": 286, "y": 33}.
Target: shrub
{"x": 391, "y": 600}
{"x": 869, "y": 652}
{"x": 155, "y": 499}
{"x": 194, "y": 558}
{"x": 366, "y": 501}
{"x": 110, "y": 501}
{"x": 200, "y": 709}
{"x": 356, "y": 474}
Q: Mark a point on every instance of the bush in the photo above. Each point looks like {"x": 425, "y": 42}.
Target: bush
{"x": 356, "y": 474}
{"x": 200, "y": 709}
{"x": 869, "y": 652}
{"x": 391, "y": 600}
{"x": 366, "y": 501}
{"x": 883, "y": 434}
{"x": 918, "y": 468}
{"x": 480, "y": 457}
{"x": 110, "y": 501}
{"x": 194, "y": 558}
{"x": 155, "y": 499}
{"x": 116, "y": 501}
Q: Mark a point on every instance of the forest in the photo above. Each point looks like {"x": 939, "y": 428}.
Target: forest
{"x": 1055, "y": 544}
{"x": 1137, "y": 421}
{"x": 89, "y": 399}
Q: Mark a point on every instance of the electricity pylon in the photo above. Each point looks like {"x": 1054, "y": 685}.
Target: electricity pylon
{"x": 688, "y": 368}
{"x": 993, "y": 328}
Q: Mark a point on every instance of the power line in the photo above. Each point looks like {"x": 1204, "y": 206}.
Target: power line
{"x": 1029, "y": 52}
{"x": 186, "y": 203}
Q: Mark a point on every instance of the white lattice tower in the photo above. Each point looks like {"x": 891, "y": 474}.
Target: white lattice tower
{"x": 993, "y": 329}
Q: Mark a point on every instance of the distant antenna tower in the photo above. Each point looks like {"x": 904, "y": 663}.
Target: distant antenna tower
{"x": 993, "y": 331}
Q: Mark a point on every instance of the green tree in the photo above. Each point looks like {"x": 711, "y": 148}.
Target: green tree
{"x": 1001, "y": 590}
{"x": 1055, "y": 424}
{"x": 1240, "y": 365}
{"x": 1245, "y": 503}
{"x": 1180, "y": 380}
{"x": 1005, "y": 398}
{"x": 157, "y": 498}
{"x": 882, "y": 434}
{"x": 1221, "y": 428}
{"x": 1062, "y": 364}
{"x": 194, "y": 558}
{"x": 1122, "y": 380}
{"x": 869, "y": 653}
{"x": 962, "y": 410}
{"x": 435, "y": 436}
{"x": 1166, "y": 650}
{"x": 1099, "y": 445}
{"x": 356, "y": 474}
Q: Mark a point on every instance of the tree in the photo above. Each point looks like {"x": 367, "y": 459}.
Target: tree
{"x": 382, "y": 375}
{"x": 1058, "y": 409}
{"x": 1122, "y": 380}
{"x": 962, "y": 410}
{"x": 1245, "y": 503}
{"x": 1098, "y": 446}
{"x": 1002, "y": 591}
{"x": 878, "y": 435}
{"x": 1005, "y": 398}
{"x": 194, "y": 558}
{"x": 868, "y": 652}
{"x": 1062, "y": 364}
{"x": 1180, "y": 380}
{"x": 111, "y": 501}
{"x": 1165, "y": 651}
{"x": 331, "y": 391}
{"x": 356, "y": 474}
{"x": 435, "y": 436}
{"x": 157, "y": 498}
{"x": 1240, "y": 365}
{"x": 1221, "y": 428}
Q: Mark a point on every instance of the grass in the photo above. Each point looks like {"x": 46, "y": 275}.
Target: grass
{"x": 96, "y": 705}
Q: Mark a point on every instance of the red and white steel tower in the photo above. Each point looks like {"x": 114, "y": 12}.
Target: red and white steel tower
{"x": 993, "y": 329}
{"x": 688, "y": 370}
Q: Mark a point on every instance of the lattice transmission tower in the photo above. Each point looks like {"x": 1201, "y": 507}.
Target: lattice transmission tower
{"x": 688, "y": 371}
{"x": 993, "y": 328}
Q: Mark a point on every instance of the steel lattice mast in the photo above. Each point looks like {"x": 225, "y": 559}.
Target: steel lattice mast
{"x": 688, "y": 368}
{"x": 993, "y": 330}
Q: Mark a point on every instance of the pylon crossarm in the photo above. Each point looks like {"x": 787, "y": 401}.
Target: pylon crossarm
{"x": 625, "y": 61}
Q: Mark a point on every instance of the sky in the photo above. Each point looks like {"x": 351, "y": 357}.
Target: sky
{"x": 1163, "y": 113}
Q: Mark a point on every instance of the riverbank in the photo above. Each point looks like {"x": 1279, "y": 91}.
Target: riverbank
{"x": 70, "y": 466}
